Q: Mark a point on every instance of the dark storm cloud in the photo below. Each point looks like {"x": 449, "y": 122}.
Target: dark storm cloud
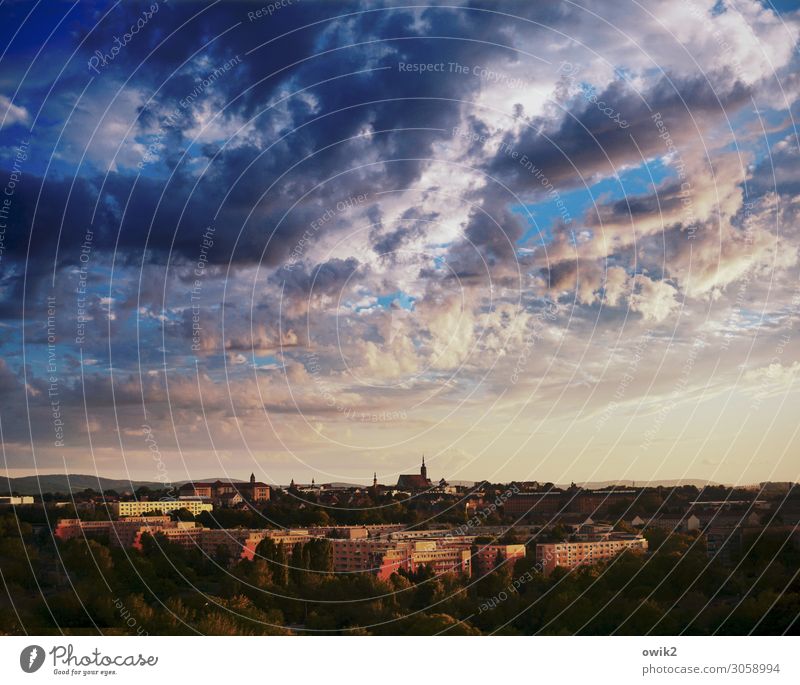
{"x": 588, "y": 142}
{"x": 327, "y": 278}
{"x": 493, "y": 232}
{"x": 663, "y": 204}
{"x": 176, "y": 221}
{"x": 184, "y": 210}
{"x": 412, "y": 224}
{"x": 143, "y": 220}
{"x": 778, "y": 172}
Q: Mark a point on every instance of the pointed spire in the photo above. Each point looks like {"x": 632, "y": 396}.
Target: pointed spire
{"x": 252, "y": 478}
{"x": 375, "y": 479}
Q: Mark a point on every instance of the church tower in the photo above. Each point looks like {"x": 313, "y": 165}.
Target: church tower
{"x": 375, "y": 479}
{"x": 252, "y": 479}
{"x": 423, "y": 471}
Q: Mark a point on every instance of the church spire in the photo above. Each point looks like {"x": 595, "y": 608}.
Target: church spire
{"x": 375, "y": 479}
{"x": 423, "y": 470}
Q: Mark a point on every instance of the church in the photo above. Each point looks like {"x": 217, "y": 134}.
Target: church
{"x": 413, "y": 481}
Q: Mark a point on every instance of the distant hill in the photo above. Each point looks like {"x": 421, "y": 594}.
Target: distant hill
{"x": 56, "y": 482}
{"x": 224, "y": 479}
{"x": 595, "y": 485}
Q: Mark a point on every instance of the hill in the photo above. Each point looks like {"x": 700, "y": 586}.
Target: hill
{"x": 56, "y": 482}
{"x": 595, "y": 485}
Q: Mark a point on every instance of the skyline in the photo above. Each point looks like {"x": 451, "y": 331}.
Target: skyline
{"x": 556, "y": 243}
{"x": 364, "y": 482}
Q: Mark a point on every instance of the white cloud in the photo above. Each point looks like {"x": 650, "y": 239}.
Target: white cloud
{"x": 12, "y": 114}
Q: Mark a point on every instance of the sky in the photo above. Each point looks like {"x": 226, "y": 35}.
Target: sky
{"x": 541, "y": 241}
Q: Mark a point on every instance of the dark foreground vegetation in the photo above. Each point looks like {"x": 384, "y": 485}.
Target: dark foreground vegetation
{"x": 87, "y": 587}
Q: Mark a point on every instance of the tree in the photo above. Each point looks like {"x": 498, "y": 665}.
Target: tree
{"x": 223, "y": 556}
{"x": 320, "y": 555}
{"x": 280, "y": 568}
{"x": 298, "y": 564}
{"x": 183, "y": 514}
{"x": 275, "y": 556}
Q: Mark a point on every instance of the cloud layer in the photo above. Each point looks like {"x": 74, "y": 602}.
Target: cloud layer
{"x": 318, "y": 243}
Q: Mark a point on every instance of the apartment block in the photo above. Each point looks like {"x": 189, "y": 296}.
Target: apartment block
{"x": 122, "y": 533}
{"x": 137, "y": 508}
{"x": 14, "y": 501}
{"x": 576, "y": 553}
{"x": 412, "y": 555}
{"x": 486, "y": 557}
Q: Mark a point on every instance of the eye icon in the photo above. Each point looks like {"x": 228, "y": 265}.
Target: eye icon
{"x": 31, "y": 659}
